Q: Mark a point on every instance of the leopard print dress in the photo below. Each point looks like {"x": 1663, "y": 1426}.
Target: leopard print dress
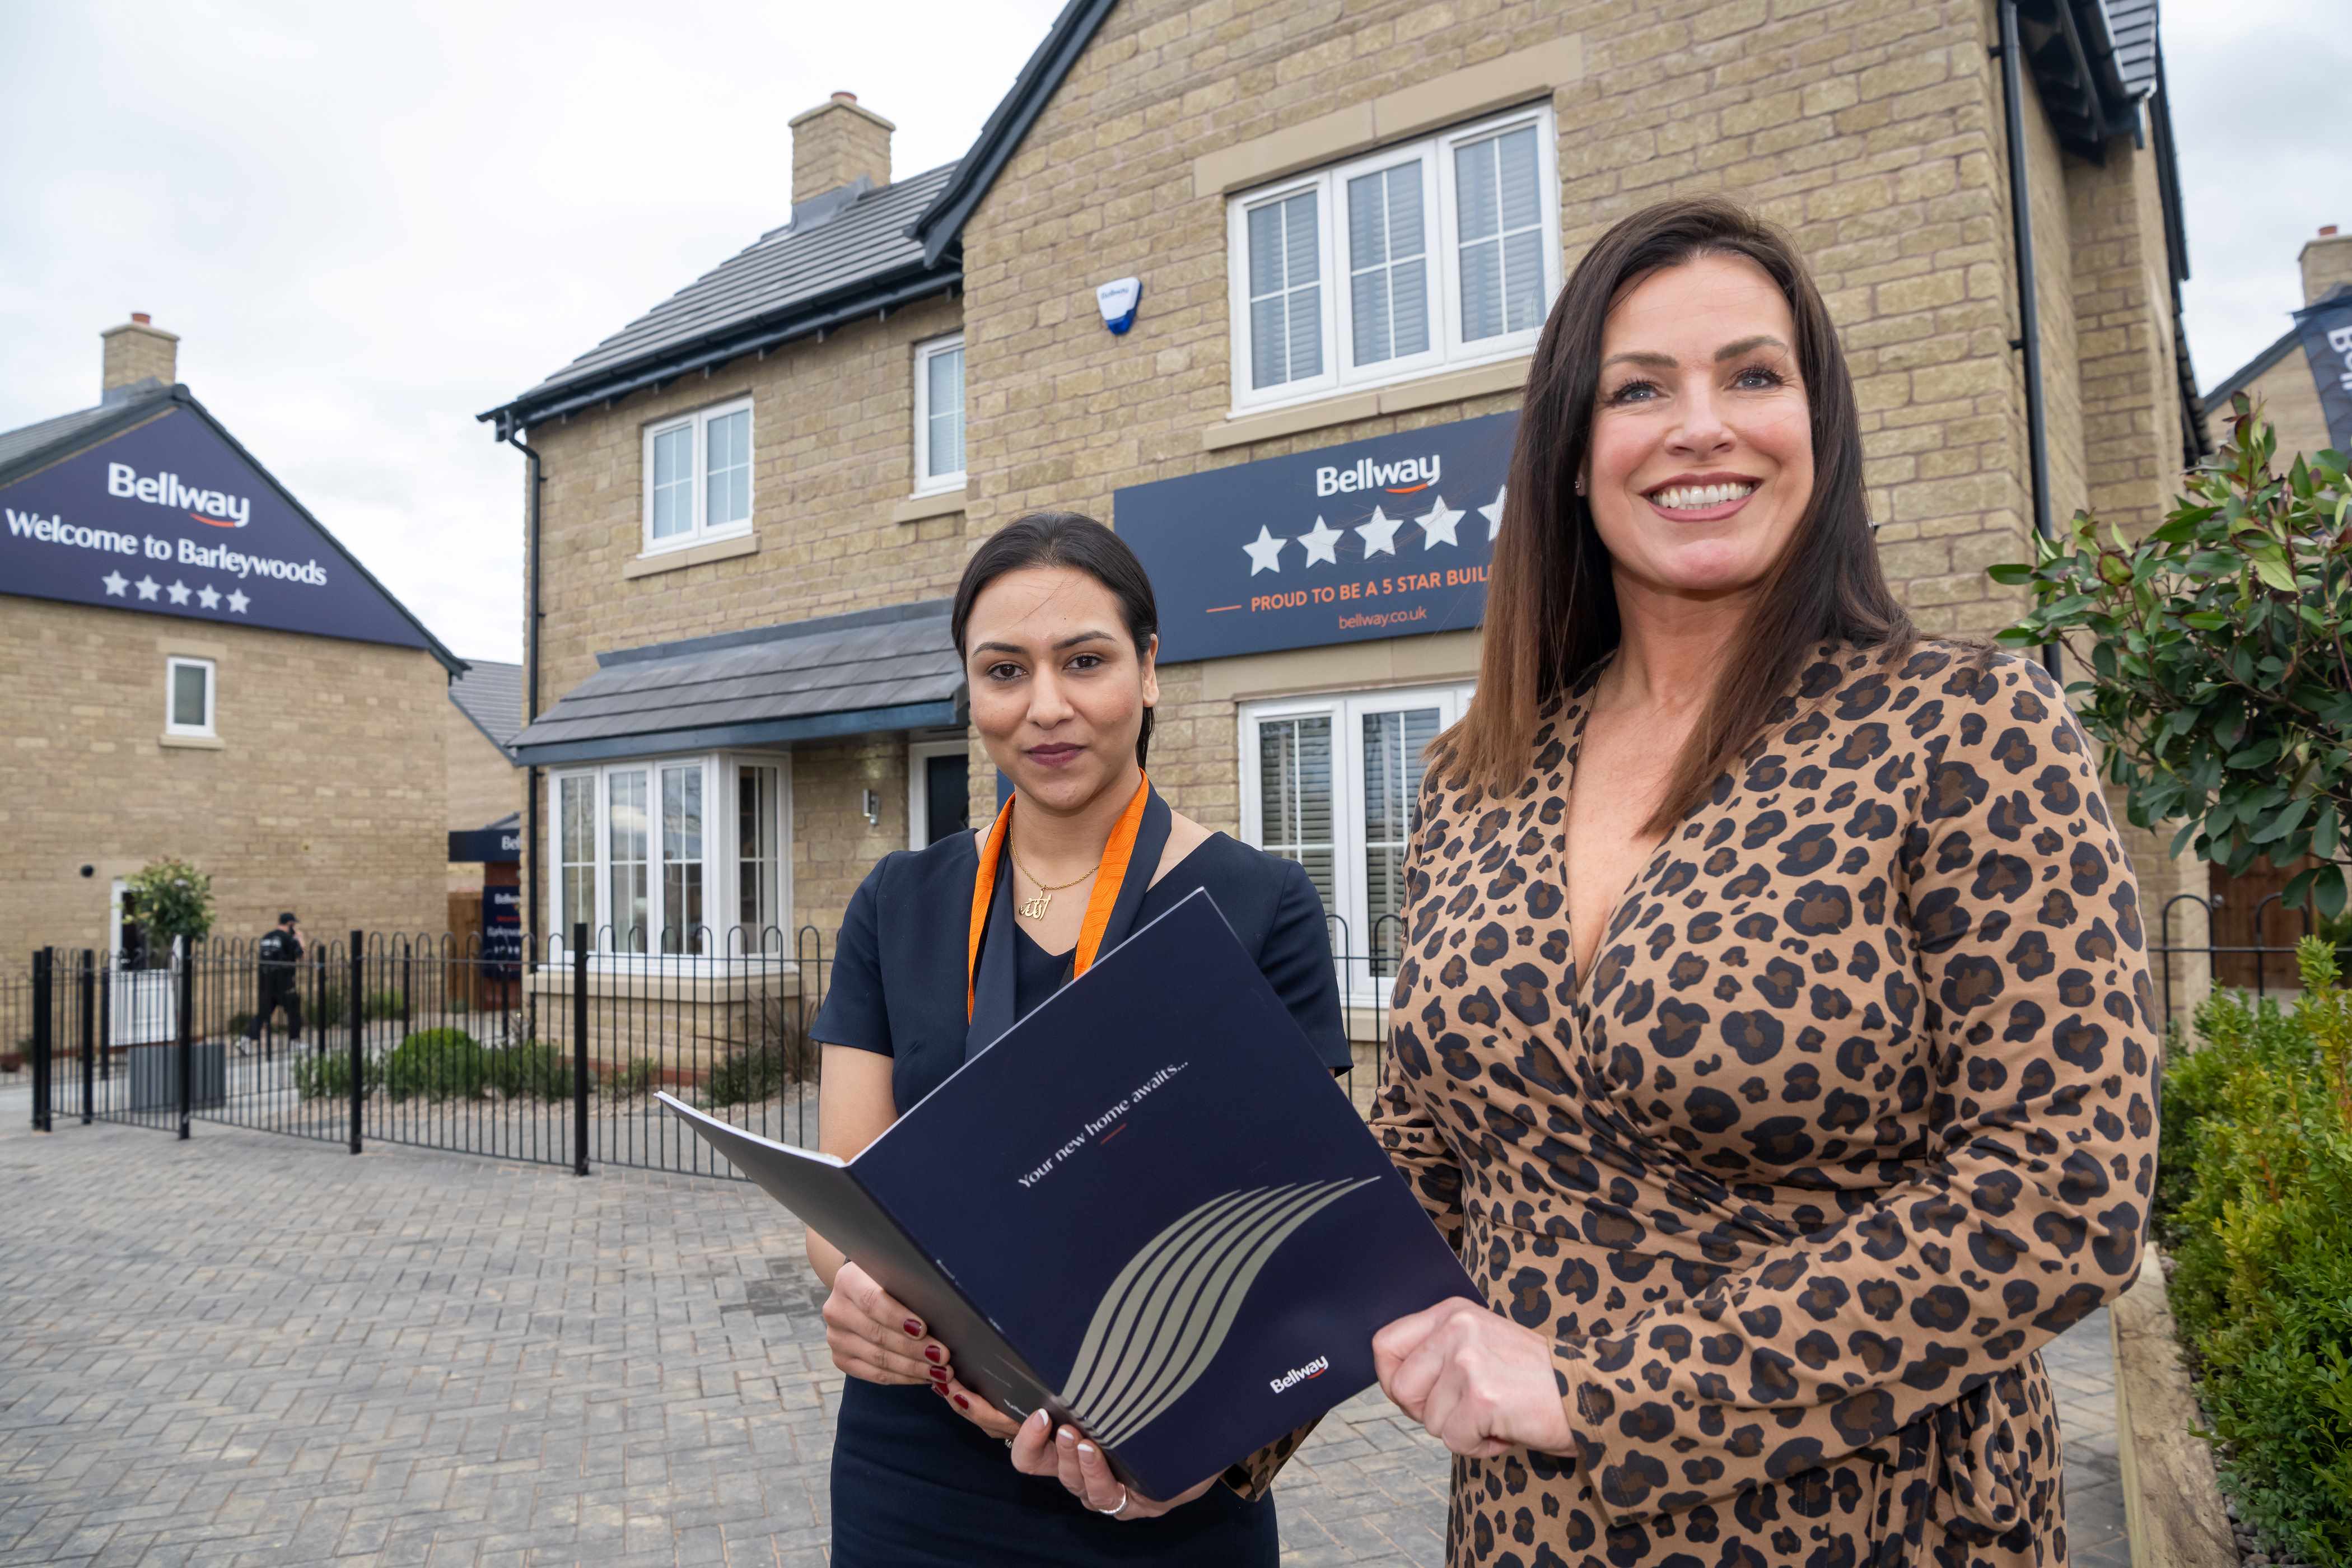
{"x": 1856, "y": 1111}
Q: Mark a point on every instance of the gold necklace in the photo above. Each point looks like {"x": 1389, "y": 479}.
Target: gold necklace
{"x": 1035, "y": 909}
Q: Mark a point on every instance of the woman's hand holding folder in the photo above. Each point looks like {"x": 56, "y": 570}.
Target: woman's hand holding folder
{"x": 1078, "y": 1465}
{"x": 873, "y": 1337}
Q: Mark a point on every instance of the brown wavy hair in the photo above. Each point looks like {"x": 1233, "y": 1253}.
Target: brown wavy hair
{"x": 1551, "y": 604}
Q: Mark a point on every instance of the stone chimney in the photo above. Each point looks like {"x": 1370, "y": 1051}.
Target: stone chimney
{"x": 139, "y": 351}
{"x": 837, "y": 143}
{"x": 2326, "y": 261}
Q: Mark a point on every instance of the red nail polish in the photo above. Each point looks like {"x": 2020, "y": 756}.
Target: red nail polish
{"x": 935, "y": 1353}
{"x": 939, "y": 1389}
{"x": 914, "y": 1330}
{"x": 939, "y": 1374}
{"x": 961, "y": 1402}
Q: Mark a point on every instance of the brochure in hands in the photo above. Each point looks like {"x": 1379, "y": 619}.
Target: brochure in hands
{"x": 1146, "y": 1207}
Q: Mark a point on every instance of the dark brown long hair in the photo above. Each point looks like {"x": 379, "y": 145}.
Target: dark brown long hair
{"x": 1074, "y": 541}
{"x": 1551, "y": 604}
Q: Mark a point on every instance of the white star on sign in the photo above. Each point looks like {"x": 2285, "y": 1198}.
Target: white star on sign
{"x": 1321, "y": 542}
{"x": 179, "y": 592}
{"x": 1437, "y": 523}
{"x": 208, "y": 597}
{"x": 115, "y": 583}
{"x": 146, "y": 586}
{"x": 238, "y": 601}
{"x": 1265, "y": 552}
{"x": 1380, "y": 535}
{"x": 1492, "y": 512}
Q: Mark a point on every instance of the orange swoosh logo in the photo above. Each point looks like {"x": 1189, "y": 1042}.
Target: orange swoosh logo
{"x": 1410, "y": 490}
{"x": 215, "y": 522}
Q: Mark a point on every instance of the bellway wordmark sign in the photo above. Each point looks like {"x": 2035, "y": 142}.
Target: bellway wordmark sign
{"x": 171, "y": 518}
{"x": 1386, "y": 537}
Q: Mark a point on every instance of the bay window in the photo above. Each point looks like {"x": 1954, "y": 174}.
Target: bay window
{"x": 1330, "y": 782}
{"x": 640, "y": 858}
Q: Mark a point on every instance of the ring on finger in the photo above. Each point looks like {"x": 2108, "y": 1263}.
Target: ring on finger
{"x": 1124, "y": 1499}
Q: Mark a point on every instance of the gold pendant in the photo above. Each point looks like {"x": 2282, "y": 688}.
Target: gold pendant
{"x": 1035, "y": 909}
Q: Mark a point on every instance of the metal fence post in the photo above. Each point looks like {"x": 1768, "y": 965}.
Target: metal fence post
{"x": 184, "y": 962}
{"x": 89, "y": 1006}
{"x": 44, "y": 962}
{"x": 359, "y": 1046}
{"x": 106, "y": 1020}
{"x": 578, "y": 1048}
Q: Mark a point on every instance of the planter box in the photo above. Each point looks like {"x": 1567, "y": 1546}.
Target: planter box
{"x": 2172, "y": 1505}
{"x": 155, "y": 1076}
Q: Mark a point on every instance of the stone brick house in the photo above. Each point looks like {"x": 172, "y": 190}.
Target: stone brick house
{"x": 1346, "y": 221}
{"x": 195, "y": 668}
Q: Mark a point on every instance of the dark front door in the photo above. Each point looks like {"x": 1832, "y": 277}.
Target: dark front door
{"x": 947, "y": 787}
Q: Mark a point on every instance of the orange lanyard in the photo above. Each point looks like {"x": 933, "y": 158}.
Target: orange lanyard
{"x": 1108, "y": 877}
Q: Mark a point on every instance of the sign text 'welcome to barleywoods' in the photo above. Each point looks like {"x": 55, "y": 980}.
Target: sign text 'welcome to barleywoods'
{"x": 1386, "y": 537}
{"x": 169, "y": 519}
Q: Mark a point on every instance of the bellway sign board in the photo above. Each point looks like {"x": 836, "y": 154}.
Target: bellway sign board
{"x": 169, "y": 517}
{"x": 1386, "y": 537}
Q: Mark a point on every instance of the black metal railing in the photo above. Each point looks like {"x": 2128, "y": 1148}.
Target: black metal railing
{"x": 2261, "y": 966}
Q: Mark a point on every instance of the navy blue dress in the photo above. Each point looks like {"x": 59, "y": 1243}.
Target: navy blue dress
{"x": 915, "y": 1484}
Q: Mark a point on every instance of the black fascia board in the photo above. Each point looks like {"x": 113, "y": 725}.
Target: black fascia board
{"x": 139, "y": 411}
{"x": 716, "y": 348}
{"x": 945, "y": 713}
{"x": 941, "y": 224}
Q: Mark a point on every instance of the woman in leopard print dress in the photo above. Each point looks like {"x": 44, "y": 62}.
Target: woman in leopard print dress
{"x": 1774, "y": 1034}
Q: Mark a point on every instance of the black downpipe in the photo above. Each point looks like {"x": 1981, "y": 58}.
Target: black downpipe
{"x": 532, "y": 618}
{"x": 2028, "y": 305}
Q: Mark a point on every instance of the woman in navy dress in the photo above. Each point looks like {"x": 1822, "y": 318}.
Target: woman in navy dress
{"x": 944, "y": 948}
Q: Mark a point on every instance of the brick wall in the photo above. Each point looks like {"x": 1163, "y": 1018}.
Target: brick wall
{"x": 327, "y": 795}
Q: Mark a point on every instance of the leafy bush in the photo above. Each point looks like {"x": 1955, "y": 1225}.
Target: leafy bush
{"x": 633, "y": 1078}
{"x": 439, "y": 1064}
{"x": 2254, "y": 1198}
{"x": 328, "y": 1074}
{"x": 381, "y": 1005}
{"x": 541, "y": 1071}
{"x": 2223, "y": 695}
{"x": 171, "y": 899}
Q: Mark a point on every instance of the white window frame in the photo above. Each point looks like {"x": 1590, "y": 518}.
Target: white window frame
{"x": 1442, "y": 229}
{"x": 720, "y": 861}
{"x": 1345, "y": 710}
{"x": 926, "y": 481}
{"x": 701, "y": 531}
{"x": 171, "y": 726}
{"x": 918, "y": 794}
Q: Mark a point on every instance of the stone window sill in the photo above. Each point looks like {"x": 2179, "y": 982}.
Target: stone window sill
{"x": 938, "y": 503}
{"x": 693, "y": 555}
{"x": 1240, "y": 430}
{"x": 192, "y": 742}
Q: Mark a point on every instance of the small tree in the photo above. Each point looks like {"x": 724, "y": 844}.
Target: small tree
{"x": 171, "y": 899}
{"x": 2223, "y": 687}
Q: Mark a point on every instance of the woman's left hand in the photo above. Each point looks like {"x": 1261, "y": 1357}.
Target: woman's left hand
{"x": 1080, "y": 1467}
{"x": 1478, "y": 1382}
{"x": 978, "y": 1411}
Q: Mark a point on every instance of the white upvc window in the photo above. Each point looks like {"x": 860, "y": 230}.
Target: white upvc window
{"x": 698, "y": 471}
{"x": 188, "y": 697}
{"x": 678, "y": 857}
{"x": 939, "y": 413}
{"x": 1430, "y": 255}
{"x": 1330, "y": 782}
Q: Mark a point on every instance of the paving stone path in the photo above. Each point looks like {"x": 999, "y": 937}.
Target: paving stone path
{"x": 245, "y": 1349}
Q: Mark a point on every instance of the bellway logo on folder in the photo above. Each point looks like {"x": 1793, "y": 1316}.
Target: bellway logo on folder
{"x": 1167, "y": 1315}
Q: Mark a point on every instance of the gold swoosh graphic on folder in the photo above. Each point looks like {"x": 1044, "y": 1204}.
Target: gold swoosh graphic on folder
{"x": 1166, "y": 1316}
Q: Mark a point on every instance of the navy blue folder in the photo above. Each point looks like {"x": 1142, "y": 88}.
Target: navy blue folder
{"x": 1146, "y": 1206}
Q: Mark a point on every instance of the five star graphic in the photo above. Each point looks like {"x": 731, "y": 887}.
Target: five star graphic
{"x": 1265, "y": 552}
{"x": 1380, "y": 535}
{"x": 146, "y": 586}
{"x": 1492, "y": 512}
{"x": 179, "y": 592}
{"x": 208, "y": 597}
{"x": 1437, "y": 523}
{"x": 1321, "y": 542}
{"x": 238, "y": 601}
{"x": 115, "y": 583}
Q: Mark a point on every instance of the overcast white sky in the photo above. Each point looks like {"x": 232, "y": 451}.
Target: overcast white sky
{"x": 368, "y": 224}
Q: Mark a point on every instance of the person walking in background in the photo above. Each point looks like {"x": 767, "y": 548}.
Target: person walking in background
{"x": 280, "y": 952}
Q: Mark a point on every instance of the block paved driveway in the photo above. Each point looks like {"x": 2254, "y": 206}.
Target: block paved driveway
{"x": 247, "y": 1350}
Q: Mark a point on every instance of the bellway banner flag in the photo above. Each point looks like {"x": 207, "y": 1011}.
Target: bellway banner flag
{"x": 170, "y": 517}
{"x": 1386, "y": 537}
{"x": 2325, "y": 329}
{"x": 1146, "y": 1207}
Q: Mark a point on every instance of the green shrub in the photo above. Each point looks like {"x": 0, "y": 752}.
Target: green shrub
{"x": 541, "y": 1071}
{"x": 439, "y": 1064}
{"x": 635, "y": 1078}
{"x": 746, "y": 1074}
{"x": 238, "y": 1023}
{"x": 2254, "y": 1198}
{"x": 329, "y": 1073}
{"x": 773, "y": 1053}
{"x": 382, "y": 1004}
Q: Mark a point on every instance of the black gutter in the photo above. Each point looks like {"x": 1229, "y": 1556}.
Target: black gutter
{"x": 2029, "y": 313}
{"x": 718, "y": 351}
{"x": 532, "y": 616}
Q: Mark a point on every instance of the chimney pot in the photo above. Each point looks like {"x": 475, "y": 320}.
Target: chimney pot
{"x": 2326, "y": 230}
{"x": 138, "y": 351}
{"x": 141, "y": 315}
{"x": 837, "y": 143}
